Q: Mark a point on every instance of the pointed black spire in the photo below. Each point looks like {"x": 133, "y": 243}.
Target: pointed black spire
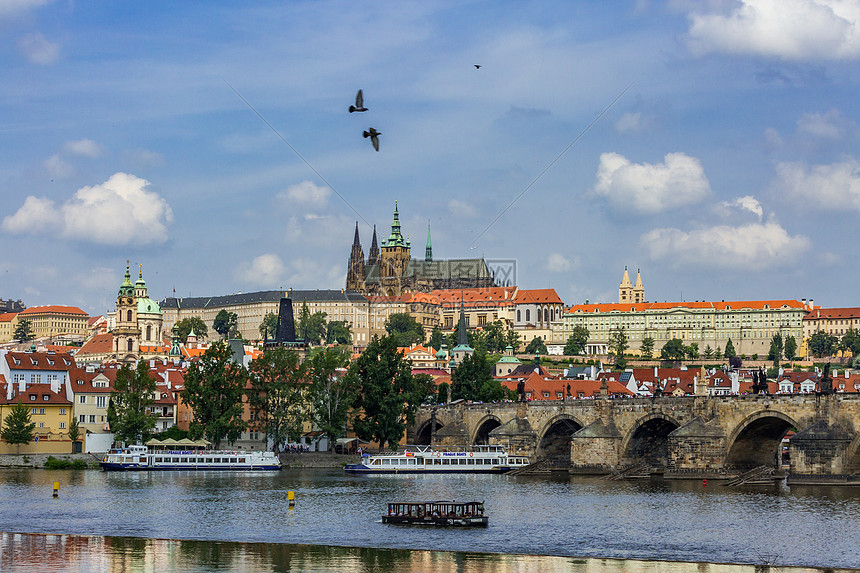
{"x": 373, "y": 253}
{"x": 355, "y": 275}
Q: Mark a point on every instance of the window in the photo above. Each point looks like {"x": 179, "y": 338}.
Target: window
{"x": 92, "y": 419}
{"x": 130, "y": 341}
{"x": 46, "y": 397}
{"x": 82, "y": 400}
{"x": 32, "y": 397}
{"x": 41, "y": 410}
{"x": 128, "y": 315}
{"x": 100, "y": 401}
{"x": 35, "y": 410}
{"x": 62, "y": 411}
{"x": 62, "y": 425}
{"x": 41, "y": 424}
{"x": 82, "y": 418}
{"x": 528, "y": 315}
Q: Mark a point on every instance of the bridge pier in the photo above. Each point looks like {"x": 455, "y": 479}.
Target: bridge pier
{"x": 595, "y": 449}
{"x": 821, "y": 454}
{"x": 696, "y": 450}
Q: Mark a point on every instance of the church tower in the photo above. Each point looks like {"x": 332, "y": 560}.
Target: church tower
{"x": 625, "y": 289}
{"x": 428, "y": 250}
{"x": 373, "y": 253}
{"x": 638, "y": 289}
{"x": 395, "y": 255}
{"x": 355, "y": 274}
{"x": 126, "y": 333}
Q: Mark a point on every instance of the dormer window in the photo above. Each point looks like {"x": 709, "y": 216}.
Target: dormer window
{"x": 32, "y": 397}
{"x": 45, "y": 397}
{"x": 80, "y": 382}
{"x": 51, "y": 362}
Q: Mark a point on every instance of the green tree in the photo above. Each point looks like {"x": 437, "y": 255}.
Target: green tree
{"x": 74, "y": 430}
{"x": 442, "y": 393}
{"x": 495, "y": 336}
{"x": 709, "y": 352}
{"x": 692, "y": 351}
{"x": 303, "y": 321}
{"x": 388, "y": 394}
{"x": 436, "y": 338}
{"x": 822, "y": 344}
{"x": 18, "y": 427}
{"x": 269, "y": 326}
{"x": 132, "y": 396}
{"x": 23, "y": 331}
{"x": 673, "y": 350}
{"x": 195, "y": 323}
{"x": 473, "y": 380}
{"x": 646, "y": 349}
{"x": 333, "y": 391}
{"x": 279, "y": 395}
{"x": 850, "y": 342}
{"x": 337, "y": 332}
{"x": 618, "y": 343}
{"x": 729, "y": 352}
{"x": 404, "y": 329}
{"x": 576, "y": 342}
{"x": 477, "y": 339}
{"x": 776, "y": 346}
{"x": 513, "y": 340}
{"x": 214, "y": 387}
{"x": 790, "y": 348}
{"x": 225, "y": 322}
{"x": 536, "y": 346}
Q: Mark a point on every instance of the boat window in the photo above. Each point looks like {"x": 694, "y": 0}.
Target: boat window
{"x": 411, "y": 461}
{"x": 184, "y": 460}
{"x": 208, "y": 460}
{"x": 385, "y": 462}
{"x": 495, "y": 461}
{"x": 241, "y": 460}
{"x": 470, "y": 461}
{"x": 445, "y": 462}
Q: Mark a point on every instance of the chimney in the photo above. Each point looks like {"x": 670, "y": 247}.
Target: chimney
{"x": 811, "y": 304}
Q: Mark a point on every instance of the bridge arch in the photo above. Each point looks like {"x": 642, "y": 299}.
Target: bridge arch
{"x": 423, "y": 435}
{"x": 554, "y": 439}
{"x": 482, "y": 430}
{"x": 648, "y": 440}
{"x": 756, "y": 440}
{"x": 852, "y": 460}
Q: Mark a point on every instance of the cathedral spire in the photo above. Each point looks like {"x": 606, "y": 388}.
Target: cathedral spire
{"x": 428, "y": 251}
{"x": 395, "y": 239}
{"x": 373, "y": 253}
{"x": 355, "y": 273}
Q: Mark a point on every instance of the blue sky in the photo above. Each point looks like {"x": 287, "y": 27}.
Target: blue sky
{"x": 728, "y": 170}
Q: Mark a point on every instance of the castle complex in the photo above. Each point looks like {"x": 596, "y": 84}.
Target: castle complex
{"x": 390, "y": 270}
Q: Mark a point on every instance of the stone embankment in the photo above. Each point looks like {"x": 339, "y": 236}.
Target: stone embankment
{"x": 320, "y": 460}
{"x": 38, "y": 460}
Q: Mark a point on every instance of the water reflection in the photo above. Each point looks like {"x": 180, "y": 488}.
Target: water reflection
{"x": 60, "y": 553}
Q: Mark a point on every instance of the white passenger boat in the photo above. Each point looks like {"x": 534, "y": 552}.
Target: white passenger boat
{"x": 439, "y": 459}
{"x": 142, "y": 458}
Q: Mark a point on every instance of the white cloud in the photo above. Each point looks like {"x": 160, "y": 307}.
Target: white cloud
{"x": 461, "y": 209}
{"x": 307, "y": 273}
{"x": 120, "y": 211}
{"x": 59, "y": 168}
{"x": 789, "y": 29}
{"x": 833, "y": 186}
{"x": 746, "y": 203}
{"x": 772, "y": 138}
{"x": 679, "y": 180}
{"x": 10, "y": 7}
{"x": 830, "y": 125}
{"x": 98, "y": 279}
{"x": 631, "y": 122}
{"x": 84, "y": 147}
{"x": 558, "y": 263}
{"x": 306, "y": 193}
{"x": 38, "y": 50}
{"x": 265, "y": 270}
{"x": 746, "y": 247}
{"x": 35, "y": 216}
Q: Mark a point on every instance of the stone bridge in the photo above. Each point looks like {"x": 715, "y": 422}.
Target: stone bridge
{"x": 692, "y": 436}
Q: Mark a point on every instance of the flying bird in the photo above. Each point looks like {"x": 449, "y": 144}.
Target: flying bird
{"x": 359, "y": 103}
{"x": 374, "y": 137}
{"x": 477, "y": 66}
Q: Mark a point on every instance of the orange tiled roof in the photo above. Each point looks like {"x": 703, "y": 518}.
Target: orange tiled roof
{"x": 722, "y": 305}
{"x": 8, "y": 316}
{"x": 39, "y": 361}
{"x": 98, "y": 344}
{"x": 36, "y": 394}
{"x": 824, "y": 313}
{"x": 491, "y": 296}
{"x": 56, "y": 309}
{"x": 534, "y": 296}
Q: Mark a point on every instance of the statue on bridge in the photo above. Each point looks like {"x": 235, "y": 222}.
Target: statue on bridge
{"x": 521, "y": 391}
{"x": 760, "y": 382}
{"x": 825, "y": 384}
{"x": 568, "y": 390}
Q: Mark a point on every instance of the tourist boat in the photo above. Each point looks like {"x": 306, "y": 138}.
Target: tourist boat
{"x": 142, "y": 458}
{"x": 441, "y": 460}
{"x": 468, "y": 514}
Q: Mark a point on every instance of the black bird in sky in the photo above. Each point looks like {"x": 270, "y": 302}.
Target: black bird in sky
{"x": 477, "y": 66}
{"x": 359, "y": 103}
{"x": 374, "y": 137}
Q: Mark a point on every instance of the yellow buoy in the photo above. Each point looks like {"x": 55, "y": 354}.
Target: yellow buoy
{"x": 56, "y": 489}
{"x": 291, "y": 497}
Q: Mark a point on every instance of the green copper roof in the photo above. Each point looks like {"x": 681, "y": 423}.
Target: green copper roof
{"x": 395, "y": 239}
{"x": 147, "y": 306}
{"x": 509, "y": 360}
{"x": 126, "y": 288}
{"x": 140, "y": 283}
{"x": 428, "y": 250}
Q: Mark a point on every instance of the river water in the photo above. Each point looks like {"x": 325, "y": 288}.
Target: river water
{"x": 578, "y": 517}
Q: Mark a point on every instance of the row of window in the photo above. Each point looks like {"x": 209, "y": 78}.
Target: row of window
{"x": 183, "y": 460}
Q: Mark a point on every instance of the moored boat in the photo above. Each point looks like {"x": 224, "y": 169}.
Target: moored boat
{"x": 141, "y": 458}
{"x": 442, "y": 460}
{"x": 458, "y": 514}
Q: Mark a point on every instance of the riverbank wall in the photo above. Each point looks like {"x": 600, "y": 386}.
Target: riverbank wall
{"x": 38, "y": 460}
{"x": 322, "y": 460}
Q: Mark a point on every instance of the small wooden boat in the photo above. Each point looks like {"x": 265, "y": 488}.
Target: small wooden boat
{"x": 449, "y": 513}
